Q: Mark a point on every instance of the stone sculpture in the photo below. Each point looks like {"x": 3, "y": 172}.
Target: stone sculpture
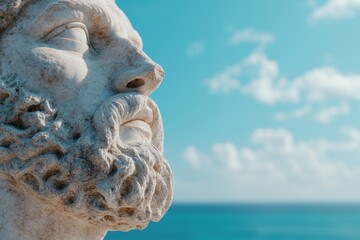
{"x": 81, "y": 143}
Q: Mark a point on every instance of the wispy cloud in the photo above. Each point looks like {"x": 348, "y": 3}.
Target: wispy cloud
{"x": 195, "y": 49}
{"x": 324, "y": 115}
{"x": 228, "y": 153}
{"x": 334, "y": 9}
{"x": 296, "y": 113}
{"x": 225, "y": 81}
{"x": 351, "y": 143}
{"x": 193, "y": 157}
{"x": 253, "y": 36}
{"x": 327, "y": 115}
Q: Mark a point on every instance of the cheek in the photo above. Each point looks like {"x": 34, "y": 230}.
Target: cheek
{"x": 46, "y": 69}
{"x": 53, "y": 67}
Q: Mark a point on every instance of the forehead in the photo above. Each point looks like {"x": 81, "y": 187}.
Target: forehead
{"x": 95, "y": 13}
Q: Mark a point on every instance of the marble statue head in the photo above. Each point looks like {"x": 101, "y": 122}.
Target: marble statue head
{"x": 77, "y": 127}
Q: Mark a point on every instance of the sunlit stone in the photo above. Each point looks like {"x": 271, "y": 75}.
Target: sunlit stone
{"x": 81, "y": 143}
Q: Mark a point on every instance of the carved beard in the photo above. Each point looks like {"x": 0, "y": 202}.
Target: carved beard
{"x": 93, "y": 175}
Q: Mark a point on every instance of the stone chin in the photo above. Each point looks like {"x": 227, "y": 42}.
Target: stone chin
{"x": 111, "y": 172}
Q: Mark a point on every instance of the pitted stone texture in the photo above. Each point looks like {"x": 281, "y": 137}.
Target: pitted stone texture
{"x": 79, "y": 137}
{"x": 9, "y": 10}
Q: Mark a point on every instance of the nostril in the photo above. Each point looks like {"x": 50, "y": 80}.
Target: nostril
{"x": 135, "y": 83}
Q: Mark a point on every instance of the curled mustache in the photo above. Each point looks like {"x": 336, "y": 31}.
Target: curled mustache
{"x": 118, "y": 110}
{"x": 135, "y": 179}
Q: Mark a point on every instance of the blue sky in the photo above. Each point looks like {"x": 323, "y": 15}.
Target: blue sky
{"x": 261, "y": 98}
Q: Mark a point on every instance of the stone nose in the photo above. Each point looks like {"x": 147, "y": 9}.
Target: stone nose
{"x": 143, "y": 79}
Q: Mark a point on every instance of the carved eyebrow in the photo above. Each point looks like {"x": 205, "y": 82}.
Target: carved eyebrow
{"x": 96, "y": 10}
{"x": 63, "y": 12}
{"x": 66, "y": 11}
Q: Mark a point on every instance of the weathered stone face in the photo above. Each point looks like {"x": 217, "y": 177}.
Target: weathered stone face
{"x": 77, "y": 127}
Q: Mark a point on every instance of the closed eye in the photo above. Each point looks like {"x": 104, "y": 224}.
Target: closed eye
{"x": 76, "y": 31}
{"x": 72, "y": 37}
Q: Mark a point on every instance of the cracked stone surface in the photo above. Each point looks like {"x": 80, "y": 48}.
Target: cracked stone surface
{"x": 81, "y": 142}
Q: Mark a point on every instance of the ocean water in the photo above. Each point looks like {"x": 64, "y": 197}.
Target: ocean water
{"x": 253, "y": 222}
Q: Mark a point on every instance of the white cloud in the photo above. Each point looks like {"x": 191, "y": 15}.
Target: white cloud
{"x": 261, "y": 73}
{"x": 278, "y": 140}
{"x": 260, "y": 77}
{"x": 276, "y": 154}
{"x": 227, "y": 152}
{"x": 307, "y": 160}
{"x": 253, "y": 36}
{"x": 226, "y": 81}
{"x": 265, "y": 83}
{"x": 327, "y": 83}
{"x": 334, "y": 9}
{"x": 193, "y": 157}
{"x": 296, "y": 113}
{"x": 327, "y": 115}
{"x": 277, "y": 166}
{"x": 195, "y": 49}
{"x": 351, "y": 142}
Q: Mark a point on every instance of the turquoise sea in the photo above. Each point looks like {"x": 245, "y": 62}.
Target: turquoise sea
{"x": 253, "y": 222}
